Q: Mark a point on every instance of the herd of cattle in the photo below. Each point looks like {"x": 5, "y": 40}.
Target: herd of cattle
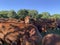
{"x": 28, "y": 31}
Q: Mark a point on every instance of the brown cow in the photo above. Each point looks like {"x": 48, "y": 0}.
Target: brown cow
{"x": 46, "y": 24}
{"x": 11, "y": 32}
{"x": 29, "y": 34}
{"x": 32, "y": 36}
{"x": 12, "y": 38}
{"x": 58, "y": 23}
{"x": 7, "y": 27}
{"x": 51, "y": 39}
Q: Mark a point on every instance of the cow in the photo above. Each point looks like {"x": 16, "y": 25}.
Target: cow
{"x": 28, "y": 34}
{"x": 52, "y": 23}
{"x": 51, "y": 39}
{"x": 46, "y": 24}
{"x": 12, "y": 38}
{"x": 34, "y": 34}
{"x": 16, "y": 33}
{"x": 41, "y": 24}
{"x": 58, "y": 23}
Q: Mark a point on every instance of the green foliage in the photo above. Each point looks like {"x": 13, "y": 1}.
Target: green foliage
{"x": 22, "y": 13}
{"x": 39, "y": 16}
{"x": 57, "y": 16}
{"x": 12, "y": 14}
{"x": 33, "y": 13}
{"x": 3, "y": 14}
{"x": 45, "y": 15}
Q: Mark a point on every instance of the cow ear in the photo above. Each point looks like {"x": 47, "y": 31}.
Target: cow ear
{"x": 27, "y": 19}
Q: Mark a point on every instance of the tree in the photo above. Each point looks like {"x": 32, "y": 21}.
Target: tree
{"x": 3, "y": 14}
{"x": 39, "y": 16}
{"x": 33, "y": 13}
{"x": 45, "y": 15}
{"x": 22, "y": 13}
{"x": 57, "y": 16}
{"x": 12, "y": 14}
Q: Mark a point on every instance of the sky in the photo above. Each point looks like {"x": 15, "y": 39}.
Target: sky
{"x": 51, "y": 6}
